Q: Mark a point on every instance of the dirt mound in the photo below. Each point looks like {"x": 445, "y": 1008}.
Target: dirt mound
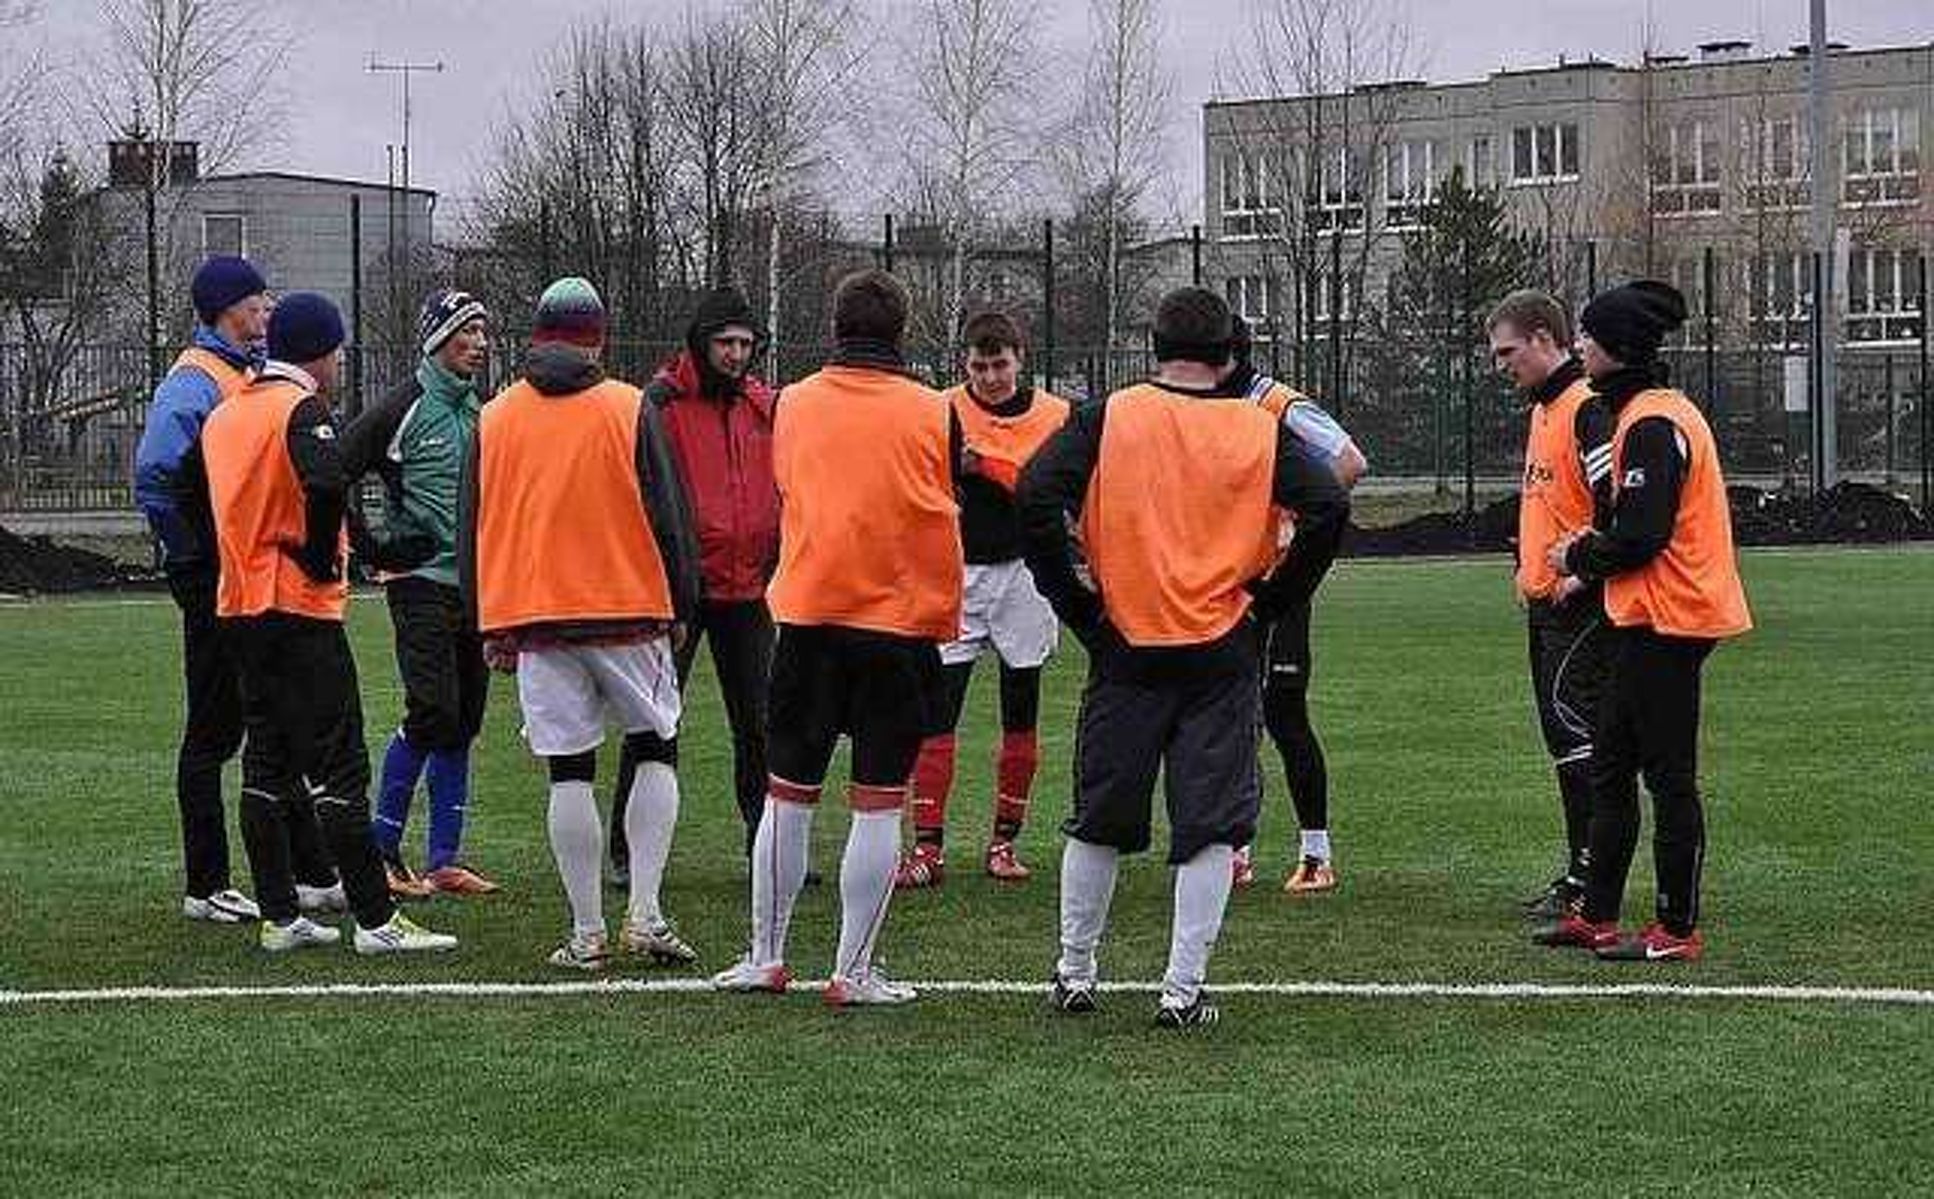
{"x": 38, "y": 566}
{"x": 1491, "y": 530}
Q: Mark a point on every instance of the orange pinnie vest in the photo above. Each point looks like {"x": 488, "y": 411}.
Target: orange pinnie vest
{"x": 562, "y": 534}
{"x": 259, "y": 507}
{"x": 1006, "y": 443}
{"x": 1557, "y": 498}
{"x": 229, "y": 380}
{"x": 869, "y": 530}
{"x": 1179, "y": 515}
{"x": 1691, "y": 588}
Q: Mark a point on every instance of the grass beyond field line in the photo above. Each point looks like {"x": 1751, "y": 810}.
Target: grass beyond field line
{"x": 1898, "y": 996}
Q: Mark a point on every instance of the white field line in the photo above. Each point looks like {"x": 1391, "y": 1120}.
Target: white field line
{"x": 1510, "y": 992}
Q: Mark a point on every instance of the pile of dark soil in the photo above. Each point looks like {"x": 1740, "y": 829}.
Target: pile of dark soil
{"x": 40, "y": 566}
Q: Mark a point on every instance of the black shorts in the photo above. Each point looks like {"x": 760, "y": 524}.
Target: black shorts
{"x": 1570, "y": 649}
{"x": 1198, "y": 729}
{"x": 1286, "y": 656}
{"x": 440, "y": 657}
{"x": 877, "y": 688}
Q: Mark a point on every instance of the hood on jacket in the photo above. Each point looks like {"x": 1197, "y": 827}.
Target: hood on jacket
{"x": 556, "y": 369}
{"x": 717, "y": 310}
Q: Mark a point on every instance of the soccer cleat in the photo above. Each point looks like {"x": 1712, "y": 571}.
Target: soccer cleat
{"x": 1654, "y": 943}
{"x": 1563, "y": 896}
{"x": 922, "y": 866}
{"x": 1312, "y": 876}
{"x": 400, "y": 934}
{"x": 584, "y": 951}
{"x": 1003, "y": 865}
{"x": 871, "y": 989}
{"x": 1197, "y": 1013}
{"x": 405, "y": 883}
{"x": 223, "y": 907}
{"x": 745, "y": 975}
{"x": 321, "y": 899}
{"x": 1574, "y": 931}
{"x": 459, "y": 880}
{"x": 300, "y": 933}
{"x": 659, "y": 942}
{"x": 1073, "y": 998}
{"x": 1242, "y": 869}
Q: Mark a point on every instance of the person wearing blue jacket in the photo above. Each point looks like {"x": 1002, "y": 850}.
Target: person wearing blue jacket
{"x": 170, "y": 485}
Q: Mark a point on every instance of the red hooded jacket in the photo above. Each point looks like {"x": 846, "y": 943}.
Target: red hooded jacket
{"x": 724, "y": 453}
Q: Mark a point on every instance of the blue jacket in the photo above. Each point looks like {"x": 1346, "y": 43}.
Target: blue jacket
{"x": 169, "y": 485}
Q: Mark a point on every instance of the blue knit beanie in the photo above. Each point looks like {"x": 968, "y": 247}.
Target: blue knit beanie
{"x": 305, "y": 326}
{"x": 222, "y": 282}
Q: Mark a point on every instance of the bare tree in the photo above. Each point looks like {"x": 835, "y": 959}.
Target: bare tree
{"x": 807, "y": 52}
{"x": 199, "y": 70}
{"x": 1116, "y": 150}
{"x": 715, "y": 100}
{"x": 972, "y": 84}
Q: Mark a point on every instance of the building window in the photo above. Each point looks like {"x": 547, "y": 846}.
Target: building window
{"x": 1685, "y": 170}
{"x": 1410, "y": 183}
{"x": 1883, "y": 296}
{"x": 1319, "y": 299}
{"x": 1781, "y": 155}
{"x": 1254, "y": 298}
{"x": 224, "y": 233}
{"x": 1544, "y": 153}
{"x": 1880, "y": 158}
{"x": 1783, "y": 295}
{"x": 1478, "y": 169}
{"x": 1340, "y": 193}
{"x": 1252, "y": 189}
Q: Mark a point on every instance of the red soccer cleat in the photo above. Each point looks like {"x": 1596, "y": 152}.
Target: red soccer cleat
{"x": 1003, "y": 865}
{"x": 922, "y": 866}
{"x": 1653, "y": 943}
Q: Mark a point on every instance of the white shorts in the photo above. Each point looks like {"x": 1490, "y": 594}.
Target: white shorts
{"x": 568, "y": 691}
{"x": 1001, "y": 608}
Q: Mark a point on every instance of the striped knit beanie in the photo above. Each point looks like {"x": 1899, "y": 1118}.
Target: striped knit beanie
{"x": 445, "y": 311}
{"x": 570, "y": 312}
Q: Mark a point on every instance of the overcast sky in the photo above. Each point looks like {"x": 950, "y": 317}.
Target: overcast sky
{"x": 342, "y": 116}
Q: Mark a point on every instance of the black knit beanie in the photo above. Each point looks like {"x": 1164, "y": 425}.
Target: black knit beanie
{"x": 1629, "y": 322}
{"x": 716, "y": 311}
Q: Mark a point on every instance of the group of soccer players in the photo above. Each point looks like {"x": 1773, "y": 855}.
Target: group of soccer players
{"x": 849, "y": 548}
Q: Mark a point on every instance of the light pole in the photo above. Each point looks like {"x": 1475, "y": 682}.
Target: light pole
{"x": 405, "y": 69}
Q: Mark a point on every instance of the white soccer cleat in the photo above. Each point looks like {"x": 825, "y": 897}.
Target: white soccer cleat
{"x": 401, "y": 935}
{"x": 321, "y": 899}
{"x": 223, "y": 907}
{"x": 871, "y": 989}
{"x": 300, "y": 933}
{"x": 584, "y": 951}
{"x": 745, "y": 975}
{"x": 659, "y": 942}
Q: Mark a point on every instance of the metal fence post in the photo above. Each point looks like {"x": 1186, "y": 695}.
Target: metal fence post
{"x": 1887, "y": 385}
{"x": 1927, "y": 418}
{"x": 886, "y": 253}
{"x": 1047, "y": 301}
{"x": 1195, "y": 255}
{"x": 355, "y": 304}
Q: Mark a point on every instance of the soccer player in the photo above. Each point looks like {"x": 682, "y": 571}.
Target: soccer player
{"x": 577, "y": 551}
{"x": 1672, "y": 592}
{"x": 171, "y": 485}
{"x": 1286, "y": 657}
{"x": 717, "y": 416}
{"x": 278, "y": 491}
{"x": 417, "y": 439}
{"x": 1004, "y": 424}
{"x": 868, "y": 588}
{"x": 1177, "y": 490}
{"x": 1566, "y": 486}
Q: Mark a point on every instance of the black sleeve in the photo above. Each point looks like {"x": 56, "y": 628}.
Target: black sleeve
{"x": 1640, "y": 525}
{"x": 365, "y": 440}
{"x": 193, "y": 502}
{"x": 1307, "y": 486}
{"x": 467, "y": 526}
{"x": 1592, "y": 428}
{"x": 1049, "y": 497}
{"x": 670, "y": 515}
{"x": 315, "y": 450}
{"x": 956, "y": 448}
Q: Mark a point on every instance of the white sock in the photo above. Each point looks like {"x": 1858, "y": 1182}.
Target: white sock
{"x": 1087, "y": 888}
{"x": 649, "y": 819}
{"x": 577, "y": 842}
{"x": 778, "y": 872}
{"x": 1201, "y": 895}
{"x": 865, "y": 886}
{"x": 1316, "y": 844}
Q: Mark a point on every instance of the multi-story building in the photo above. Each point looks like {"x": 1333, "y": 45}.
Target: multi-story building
{"x": 1626, "y": 170}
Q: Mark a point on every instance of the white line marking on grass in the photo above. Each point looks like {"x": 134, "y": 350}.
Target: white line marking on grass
{"x": 1886, "y": 996}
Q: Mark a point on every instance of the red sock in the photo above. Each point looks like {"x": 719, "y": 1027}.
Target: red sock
{"x": 933, "y": 781}
{"x": 1020, "y": 758}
